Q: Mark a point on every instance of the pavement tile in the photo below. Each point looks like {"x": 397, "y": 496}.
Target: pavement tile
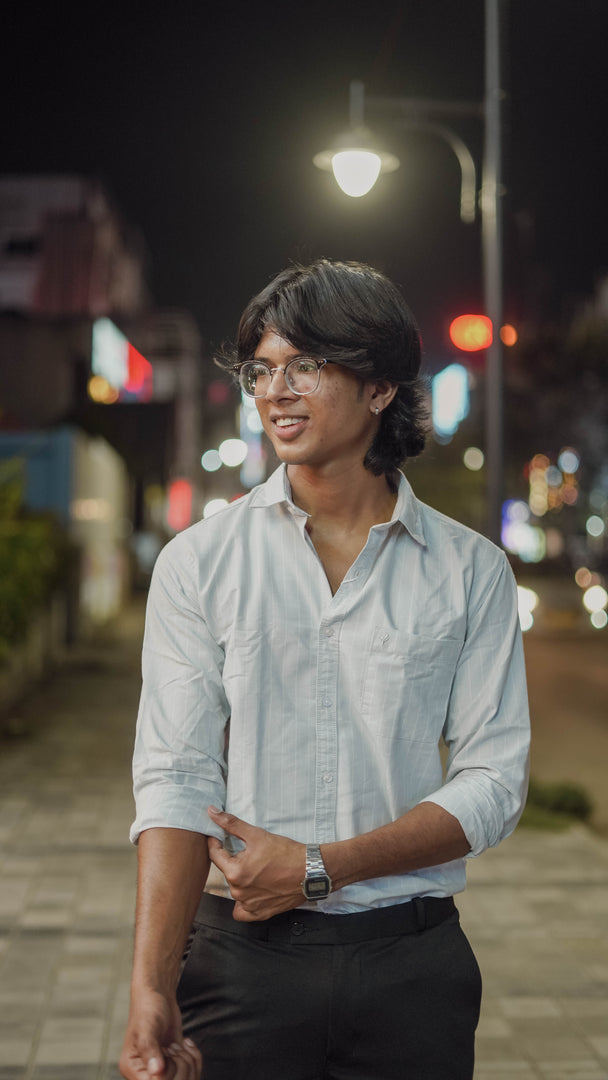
{"x": 505, "y": 1070}
{"x": 527, "y": 1007}
{"x": 576, "y": 1070}
{"x": 82, "y": 1071}
{"x": 14, "y": 1052}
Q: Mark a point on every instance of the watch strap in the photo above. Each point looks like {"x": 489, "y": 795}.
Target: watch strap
{"x": 314, "y": 860}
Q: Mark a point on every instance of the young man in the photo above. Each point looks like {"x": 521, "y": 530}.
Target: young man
{"x": 340, "y": 629}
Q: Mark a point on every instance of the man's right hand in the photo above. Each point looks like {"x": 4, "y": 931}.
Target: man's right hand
{"x": 154, "y": 1047}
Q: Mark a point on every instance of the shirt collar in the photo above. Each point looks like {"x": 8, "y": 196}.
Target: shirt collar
{"x": 277, "y": 489}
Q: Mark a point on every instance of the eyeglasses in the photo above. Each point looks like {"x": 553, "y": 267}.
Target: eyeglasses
{"x": 302, "y": 376}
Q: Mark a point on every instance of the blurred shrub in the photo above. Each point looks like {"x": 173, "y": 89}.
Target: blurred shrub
{"x": 33, "y": 558}
{"x": 564, "y": 798}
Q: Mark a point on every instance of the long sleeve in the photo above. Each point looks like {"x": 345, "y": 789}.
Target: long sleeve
{"x": 487, "y": 729}
{"x": 178, "y": 765}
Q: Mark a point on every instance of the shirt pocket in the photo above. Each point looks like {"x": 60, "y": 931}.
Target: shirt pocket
{"x": 406, "y": 684}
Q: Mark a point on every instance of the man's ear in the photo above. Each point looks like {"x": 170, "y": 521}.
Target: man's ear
{"x": 383, "y": 393}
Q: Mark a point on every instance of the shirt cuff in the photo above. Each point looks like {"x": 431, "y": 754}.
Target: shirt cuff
{"x": 486, "y": 811}
{"x": 162, "y": 807}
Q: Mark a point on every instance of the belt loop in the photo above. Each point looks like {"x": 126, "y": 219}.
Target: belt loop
{"x": 420, "y": 913}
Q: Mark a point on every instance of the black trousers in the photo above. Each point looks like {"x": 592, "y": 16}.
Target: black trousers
{"x": 383, "y": 995}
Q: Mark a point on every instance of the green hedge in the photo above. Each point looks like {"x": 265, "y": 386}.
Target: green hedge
{"x": 556, "y": 805}
{"x": 33, "y": 559}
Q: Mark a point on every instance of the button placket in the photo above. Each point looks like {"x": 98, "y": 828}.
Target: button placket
{"x": 326, "y": 733}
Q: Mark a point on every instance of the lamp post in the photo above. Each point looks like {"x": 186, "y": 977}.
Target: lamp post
{"x": 357, "y": 160}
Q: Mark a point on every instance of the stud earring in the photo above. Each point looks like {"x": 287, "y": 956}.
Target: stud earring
{"x": 377, "y": 410}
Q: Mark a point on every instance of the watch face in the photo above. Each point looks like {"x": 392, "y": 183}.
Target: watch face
{"x": 317, "y": 888}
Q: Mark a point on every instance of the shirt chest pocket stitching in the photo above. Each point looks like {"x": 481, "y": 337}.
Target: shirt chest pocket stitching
{"x": 401, "y": 668}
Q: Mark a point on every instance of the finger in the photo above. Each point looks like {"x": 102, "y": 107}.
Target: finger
{"x": 231, "y": 824}
{"x": 218, "y": 854}
{"x": 245, "y": 914}
{"x": 186, "y": 1059}
{"x": 156, "y": 1066}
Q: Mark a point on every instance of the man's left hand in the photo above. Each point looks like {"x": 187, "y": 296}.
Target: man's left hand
{"x": 265, "y": 877}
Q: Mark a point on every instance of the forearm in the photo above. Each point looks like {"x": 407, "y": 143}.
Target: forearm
{"x": 173, "y": 865}
{"x": 426, "y": 836}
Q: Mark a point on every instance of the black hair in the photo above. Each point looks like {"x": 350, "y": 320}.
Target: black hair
{"x": 353, "y": 315}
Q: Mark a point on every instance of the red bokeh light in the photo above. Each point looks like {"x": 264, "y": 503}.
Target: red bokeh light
{"x": 471, "y": 332}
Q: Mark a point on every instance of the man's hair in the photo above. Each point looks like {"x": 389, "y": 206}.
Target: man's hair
{"x": 353, "y": 315}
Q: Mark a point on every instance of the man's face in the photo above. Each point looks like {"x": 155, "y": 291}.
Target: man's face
{"x": 329, "y": 429}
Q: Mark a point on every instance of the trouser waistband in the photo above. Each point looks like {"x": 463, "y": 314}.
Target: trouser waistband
{"x": 304, "y": 927}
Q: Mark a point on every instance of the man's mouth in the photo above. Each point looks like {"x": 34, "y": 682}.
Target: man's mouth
{"x": 288, "y": 421}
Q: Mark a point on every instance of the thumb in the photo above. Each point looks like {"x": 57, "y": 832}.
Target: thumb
{"x": 156, "y": 1062}
{"x": 231, "y": 824}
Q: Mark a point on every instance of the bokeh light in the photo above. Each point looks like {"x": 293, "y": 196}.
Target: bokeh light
{"x": 473, "y": 458}
{"x": 213, "y": 506}
{"x": 101, "y": 392}
{"x": 211, "y": 461}
{"x": 471, "y": 332}
{"x": 595, "y": 525}
{"x": 253, "y": 422}
{"x": 568, "y": 460}
{"x": 508, "y": 334}
{"x": 233, "y": 452}
{"x": 595, "y": 598}
{"x": 527, "y": 601}
{"x": 583, "y": 577}
{"x": 599, "y": 619}
{"x": 450, "y": 399}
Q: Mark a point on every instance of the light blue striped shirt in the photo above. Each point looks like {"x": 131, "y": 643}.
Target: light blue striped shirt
{"x": 336, "y": 705}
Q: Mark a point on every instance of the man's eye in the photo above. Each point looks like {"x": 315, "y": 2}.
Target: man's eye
{"x": 305, "y": 367}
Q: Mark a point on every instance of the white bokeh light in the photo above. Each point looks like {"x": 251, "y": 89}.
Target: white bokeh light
{"x": 212, "y": 507}
{"x": 595, "y": 525}
{"x": 233, "y": 452}
{"x": 595, "y": 598}
{"x": 211, "y": 461}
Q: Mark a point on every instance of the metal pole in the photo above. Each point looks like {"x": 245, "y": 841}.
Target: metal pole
{"x": 491, "y": 230}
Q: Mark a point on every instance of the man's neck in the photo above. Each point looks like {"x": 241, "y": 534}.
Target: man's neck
{"x": 349, "y": 497}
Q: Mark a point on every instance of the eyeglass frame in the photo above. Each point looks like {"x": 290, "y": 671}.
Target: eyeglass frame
{"x": 319, "y": 361}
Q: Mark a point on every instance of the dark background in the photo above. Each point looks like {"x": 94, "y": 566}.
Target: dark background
{"x": 203, "y": 119}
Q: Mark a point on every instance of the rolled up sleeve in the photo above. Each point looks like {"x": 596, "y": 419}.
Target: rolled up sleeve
{"x": 179, "y": 759}
{"x": 487, "y": 731}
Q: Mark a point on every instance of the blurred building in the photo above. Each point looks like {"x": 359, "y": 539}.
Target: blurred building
{"x": 67, "y": 260}
{"x": 87, "y": 362}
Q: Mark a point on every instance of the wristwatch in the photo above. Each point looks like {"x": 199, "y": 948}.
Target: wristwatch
{"x": 317, "y": 882}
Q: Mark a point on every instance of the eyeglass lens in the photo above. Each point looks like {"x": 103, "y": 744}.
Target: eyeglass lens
{"x": 301, "y": 375}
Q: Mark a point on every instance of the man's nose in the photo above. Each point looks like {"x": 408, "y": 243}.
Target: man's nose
{"x": 278, "y": 386}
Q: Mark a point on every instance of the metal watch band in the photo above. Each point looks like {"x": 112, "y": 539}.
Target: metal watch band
{"x": 314, "y": 860}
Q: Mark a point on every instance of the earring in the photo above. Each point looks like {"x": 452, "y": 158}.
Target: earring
{"x": 377, "y": 410}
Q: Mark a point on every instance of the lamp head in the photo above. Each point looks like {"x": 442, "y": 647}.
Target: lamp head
{"x": 356, "y": 161}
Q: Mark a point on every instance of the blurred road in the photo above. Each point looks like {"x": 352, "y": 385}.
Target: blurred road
{"x": 568, "y": 690}
{"x": 536, "y": 908}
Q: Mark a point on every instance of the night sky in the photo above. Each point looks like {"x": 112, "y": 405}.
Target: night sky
{"x": 202, "y": 120}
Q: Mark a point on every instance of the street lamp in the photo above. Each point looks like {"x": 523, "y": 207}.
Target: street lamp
{"x": 357, "y": 162}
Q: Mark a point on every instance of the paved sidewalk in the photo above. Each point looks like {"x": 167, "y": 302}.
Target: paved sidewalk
{"x": 536, "y": 909}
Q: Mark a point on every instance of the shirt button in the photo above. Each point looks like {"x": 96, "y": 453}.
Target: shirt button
{"x": 327, "y": 702}
{"x": 328, "y": 778}
{"x": 329, "y": 632}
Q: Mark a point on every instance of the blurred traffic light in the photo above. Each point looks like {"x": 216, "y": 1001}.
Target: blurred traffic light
{"x": 179, "y": 504}
{"x": 471, "y": 332}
